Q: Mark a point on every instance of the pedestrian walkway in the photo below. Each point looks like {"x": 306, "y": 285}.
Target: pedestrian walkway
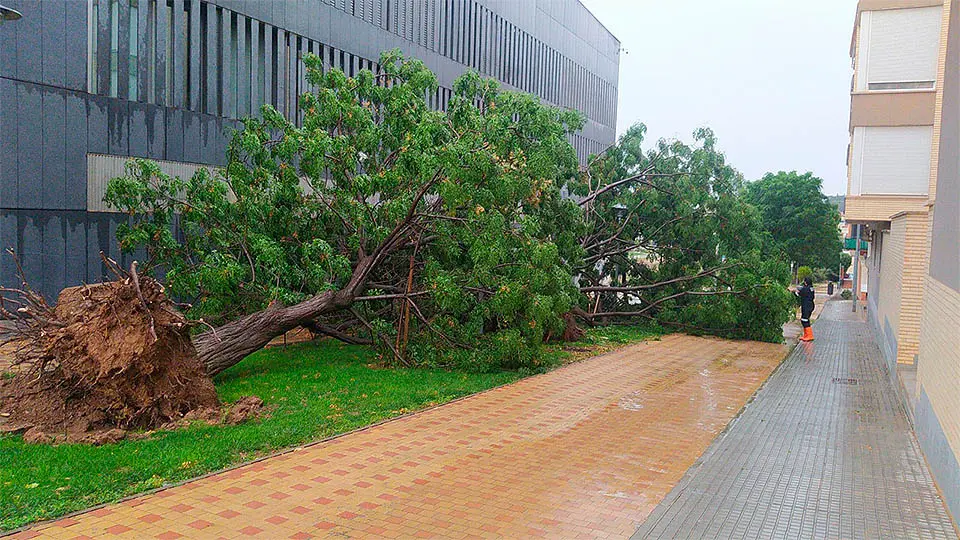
{"x": 823, "y": 451}
{"x": 586, "y": 451}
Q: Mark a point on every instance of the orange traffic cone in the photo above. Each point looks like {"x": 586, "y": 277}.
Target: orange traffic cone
{"x": 807, "y": 334}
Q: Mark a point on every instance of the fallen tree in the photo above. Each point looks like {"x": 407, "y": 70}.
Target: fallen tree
{"x": 444, "y": 235}
{"x": 669, "y": 237}
{"x": 373, "y": 193}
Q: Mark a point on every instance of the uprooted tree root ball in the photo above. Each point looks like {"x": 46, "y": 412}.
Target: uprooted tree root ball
{"x": 109, "y": 360}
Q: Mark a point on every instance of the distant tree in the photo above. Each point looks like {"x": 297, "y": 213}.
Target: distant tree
{"x": 845, "y": 261}
{"x": 799, "y": 217}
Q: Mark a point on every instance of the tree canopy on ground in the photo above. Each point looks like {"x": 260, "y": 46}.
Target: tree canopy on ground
{"x": 442, "y": 236}
{"x": 668, "y": 233}
{"x": 799, "y": 217}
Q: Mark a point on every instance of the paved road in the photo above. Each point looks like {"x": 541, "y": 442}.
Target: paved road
{"x": 586, "y": 451}
{"x": 824, "y": 451}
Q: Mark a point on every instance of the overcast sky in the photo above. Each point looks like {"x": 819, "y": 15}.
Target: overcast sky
{"x": 771, "y": 77}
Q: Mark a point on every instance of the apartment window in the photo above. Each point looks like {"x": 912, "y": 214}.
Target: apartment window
{"x": 891, "y": 160}
{"x": 898, "y": 49}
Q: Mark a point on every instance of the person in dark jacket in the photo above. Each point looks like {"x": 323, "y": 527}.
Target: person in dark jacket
{"x": 806, "y": 294}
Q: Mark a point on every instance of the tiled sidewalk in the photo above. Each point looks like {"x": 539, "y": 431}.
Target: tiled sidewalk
{"x": 586, "y": 451}
{"x": 824, "y": 451}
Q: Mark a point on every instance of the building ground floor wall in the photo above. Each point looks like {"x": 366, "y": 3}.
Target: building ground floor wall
{"x": 937, "y": 412}
{"x": 895, "y": 270}
{"x": 916, "y": 319}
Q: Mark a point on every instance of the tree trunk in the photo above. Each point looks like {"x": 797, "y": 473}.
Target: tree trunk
{"x": 221, "y": 348}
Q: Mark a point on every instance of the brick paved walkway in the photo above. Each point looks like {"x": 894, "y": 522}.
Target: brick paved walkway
{"x": 824, "y": 451}
{"x": 586, "y": 451}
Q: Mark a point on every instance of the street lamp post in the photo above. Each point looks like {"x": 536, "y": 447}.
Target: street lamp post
{"x": 856, "y": 266}
{"x": 8, "y": 14}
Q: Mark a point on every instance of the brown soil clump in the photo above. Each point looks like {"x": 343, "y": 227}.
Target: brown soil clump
{"x": 117, "y": 357}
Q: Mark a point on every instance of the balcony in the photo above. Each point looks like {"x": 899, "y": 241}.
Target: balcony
{"x": 879, "y": 208}
{"x": 892, "y": 108}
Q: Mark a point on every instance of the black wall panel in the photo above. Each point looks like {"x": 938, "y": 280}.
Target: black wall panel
{"x": 118, "y": 127}
{"x": 96, "y": 229}
{"x": 53, "y": 28}
{"x": 29, "y": 41}
{"x": 9, "y": 130}
{"x": 8, "y": 240}
{"x": 75, "y": 240}
{"x": 75, "y": 157}
{"x": 30, "y": 245}
{"x": 75, "y": 45}
{"x": 97, "y": 113}
{"x": 174, "y": 135}
{"x": 29, "y": 140}
{"x": 53, "y": 254}
{"x": 138, "y": 130}
{"x": 156, "y": 131}
{"x": 191, "y": 137}
{"x": 53, "y": 149}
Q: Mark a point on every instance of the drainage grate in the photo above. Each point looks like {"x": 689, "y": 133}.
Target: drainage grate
{"x": 841, "y": 380}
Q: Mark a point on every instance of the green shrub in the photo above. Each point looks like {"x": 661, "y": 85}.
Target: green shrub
{"x": 846, "y": 294}
{"x": 804, "y": 272}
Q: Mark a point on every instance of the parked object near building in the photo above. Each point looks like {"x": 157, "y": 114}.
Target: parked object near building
{"x": 92, "y": 83}
{"x": 904, "y": 194}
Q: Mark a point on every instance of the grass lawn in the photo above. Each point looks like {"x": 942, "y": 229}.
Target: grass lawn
{"x": 316, "y": 390}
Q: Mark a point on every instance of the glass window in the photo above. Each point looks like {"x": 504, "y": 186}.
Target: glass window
{"x": 93, "y": 13}
{"x": 114, "y": 45}
{"x": 134, "y": 50}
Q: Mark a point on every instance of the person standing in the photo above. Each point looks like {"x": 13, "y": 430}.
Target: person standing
{"x": 806, "y": 295}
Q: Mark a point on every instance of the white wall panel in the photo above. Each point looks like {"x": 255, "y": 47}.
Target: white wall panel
{"x": 891, "y": 160}
{"x": 102, "y": 168}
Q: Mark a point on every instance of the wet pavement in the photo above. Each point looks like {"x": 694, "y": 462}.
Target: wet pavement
{"x": 825, "y": 450}
{"x": 586, "y": 451}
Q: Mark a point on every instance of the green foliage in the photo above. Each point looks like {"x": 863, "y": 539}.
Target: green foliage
{"x": 372, "y": 193}
{"x": 799, "y": 217}
{"x": 847, "y": 294}
{"x": 804, "y": 272}
{"x": 683, "y": 218}
{"x": 372, "y": 175}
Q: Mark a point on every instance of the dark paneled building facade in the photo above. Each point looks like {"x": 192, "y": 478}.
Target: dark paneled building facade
{"x": 86, "y": 84}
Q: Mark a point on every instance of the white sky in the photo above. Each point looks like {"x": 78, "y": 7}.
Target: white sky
{"x": 770, "y": 77}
